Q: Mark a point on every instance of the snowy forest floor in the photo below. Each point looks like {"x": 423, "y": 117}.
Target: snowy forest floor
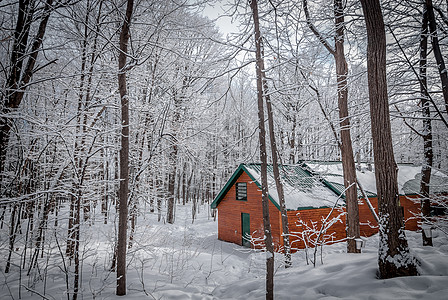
{"x": 187, "y": 261}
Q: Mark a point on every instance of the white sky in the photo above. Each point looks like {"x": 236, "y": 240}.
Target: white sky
{"x": 217, "y": 12}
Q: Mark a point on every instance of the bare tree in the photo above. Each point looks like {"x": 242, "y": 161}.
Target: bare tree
{"x": 437, "y": 52}
{"x": 124, "y": 152}
{"x": 427, "y": 128}
{"x": 394, "y": 258}
{"x": 263, "y": 155}
{"x": 275, "y": 167}
{"x": 277, "y": 177}
{"x": 22, "y": 65}
{"x": 345, "y": 143}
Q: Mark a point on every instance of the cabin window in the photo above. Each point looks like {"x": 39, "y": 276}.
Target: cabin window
{"x": 241, "y": 191}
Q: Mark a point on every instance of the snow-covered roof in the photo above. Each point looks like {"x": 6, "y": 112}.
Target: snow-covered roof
{"x": 409, "y": 176}
{"x": 317, "y": 184}
{"x": 301, "y": 188}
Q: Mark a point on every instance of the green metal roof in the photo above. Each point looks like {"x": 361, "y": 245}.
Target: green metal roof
{"x": 302, "y": 189}
{"x": 293, "y": 175}
{"x": 308, "y": 186}
{"x": 341, "y": 188}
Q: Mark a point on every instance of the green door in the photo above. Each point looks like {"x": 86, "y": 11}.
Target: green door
{"x": 245, "y": 229}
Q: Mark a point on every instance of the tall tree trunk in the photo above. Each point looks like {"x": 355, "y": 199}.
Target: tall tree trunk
{"x": 76, "y": 281}
{"x": 292, "y": 141}
{"x": 69, "y": 251}
{"x": 275, "y": 167}
{"x": 394, "y": 258}
{"x": 348, "y": 161}
{"x": 105, "y": 199}
{"x": 345, "y": 143}
{"x": 263, "y": 157}
{"x": 172, "y": 182}
{"x": 173, "y": 155}
{"x": 12, "y": 234}
{"x": 278, "y": 182}
{"x": 184, "y": 184}
{"x": 443, "y": 72}
{"x": 159, "y": 195}
{"x": 124, "y": 153}
{"x": 20, "y": 76}
{"x": 427, "y": 131}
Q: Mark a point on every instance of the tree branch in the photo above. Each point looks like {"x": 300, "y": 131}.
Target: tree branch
{"x": 418, "y": 77}
{"x": 315, "y": 31}
{"x": 406, "y": 122}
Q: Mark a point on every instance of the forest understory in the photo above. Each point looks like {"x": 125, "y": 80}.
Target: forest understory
{"x": 185, "y": 260}
{"x": 121, "y": 121}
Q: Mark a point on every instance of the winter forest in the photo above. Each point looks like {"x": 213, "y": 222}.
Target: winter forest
{"x": 121, "y": 121}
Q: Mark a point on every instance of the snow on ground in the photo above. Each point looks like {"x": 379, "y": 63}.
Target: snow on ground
{"x": 353, "y": 276}
{"x": 186, "y": 261}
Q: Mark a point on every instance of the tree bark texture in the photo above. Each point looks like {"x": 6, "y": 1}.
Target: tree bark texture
{"x": 394, "y": 258}
{"x": 173, "y": 155}
{"x": 345, "y": 143}
{"x": 263, "y": 157}
{"x": 427, "y": 129}
{"x": 275, "y": 166}
{"x": 348, "y": 161}
{"x": 172, "y": 182}
{"x": 19, "y": 75}
{"x": 124, "y": 154}
{"x": 443, "y": 72}
{"x": 278, "y": 181}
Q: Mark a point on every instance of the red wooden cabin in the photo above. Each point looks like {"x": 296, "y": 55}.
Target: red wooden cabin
{"x": 312, "y": 191}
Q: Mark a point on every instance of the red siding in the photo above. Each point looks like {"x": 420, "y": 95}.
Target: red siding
{"x": 368, "y": 225}
{"x": 230, "y": 209}
{"x": 308, "y": 222}
{"x": 412, "y": 208}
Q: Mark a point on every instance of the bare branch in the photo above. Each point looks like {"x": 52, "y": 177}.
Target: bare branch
{"x": 315, "y": 31}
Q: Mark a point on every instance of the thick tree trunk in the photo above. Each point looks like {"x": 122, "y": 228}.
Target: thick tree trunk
{"x": 263, "y": 157}
{"x": 427, "y": 131}
{"x": 124, "y": 153}
{"x": 345, "y": 142}
{"x": 394, "y": 258}
{"x": 348, "y": 161}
